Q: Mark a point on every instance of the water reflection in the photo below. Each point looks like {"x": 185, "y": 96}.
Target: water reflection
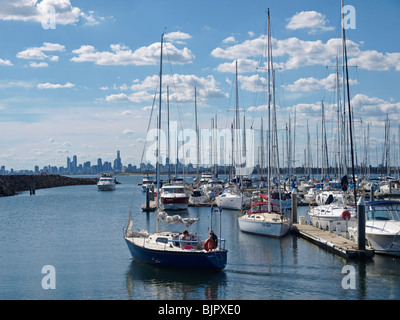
{"x": 145, "y": 281}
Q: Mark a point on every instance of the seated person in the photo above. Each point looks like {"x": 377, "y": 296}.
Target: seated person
{"x": 184, "y": 236}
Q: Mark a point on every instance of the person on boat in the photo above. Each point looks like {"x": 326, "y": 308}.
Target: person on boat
{"x": 214, "y": 237}
{"x": 182, "y": 237}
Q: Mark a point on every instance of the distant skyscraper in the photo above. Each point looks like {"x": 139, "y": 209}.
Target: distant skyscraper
{"x": 74, "y": 163}
{"x": 118, "y": 163}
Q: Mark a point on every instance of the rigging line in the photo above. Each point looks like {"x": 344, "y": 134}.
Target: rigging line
{"x": 149, "y": 124}
{"x": 174, "y": 85}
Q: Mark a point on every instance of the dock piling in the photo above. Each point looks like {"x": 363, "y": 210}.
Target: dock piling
{"x": 294, "y": 206}
{"x": 361, "y": 223}
{"x": 147, "y": 198}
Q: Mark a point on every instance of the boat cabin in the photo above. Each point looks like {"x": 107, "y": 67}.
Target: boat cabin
{"x": 173, "y": 189}
{"x": 383, "y": 210}
{"x": 261, "y": 207}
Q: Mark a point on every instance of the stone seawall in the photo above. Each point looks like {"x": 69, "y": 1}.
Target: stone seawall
{"x": 11, "y": 185}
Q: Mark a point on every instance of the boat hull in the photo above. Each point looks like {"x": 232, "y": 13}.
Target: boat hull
{"x": 213, "y": 260}
{"x": 229, "y": 202}
{"x": 323, "y": 222}
{"x": 106, "y": 187}
{"x": 175, "y": 202}
{"x": 265, "y": 228}
{"x": 384, "y": 236}
{"x": 384, "y": 244}
{"x": 328, "y": 216}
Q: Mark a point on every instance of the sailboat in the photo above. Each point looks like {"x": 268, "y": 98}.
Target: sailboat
{"x": 265, "y": 218}
{"x": 232, "y": 197}
{"x": 173, "y": 249}
{"x": 336, "y": 209}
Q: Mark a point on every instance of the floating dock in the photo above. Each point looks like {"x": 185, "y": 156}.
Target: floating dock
{"x": 330, "y": 241}
{"x": 152, "y": 206}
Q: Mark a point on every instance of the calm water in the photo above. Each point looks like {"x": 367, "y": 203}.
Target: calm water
{"x": 78, "y": 230}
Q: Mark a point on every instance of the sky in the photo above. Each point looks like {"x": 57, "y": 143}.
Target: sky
{"x": 79, "y": 77}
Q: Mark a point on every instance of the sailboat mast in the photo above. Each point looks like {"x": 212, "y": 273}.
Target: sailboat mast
{"x": 169, "y": 144}
{"x": 269, "y": 110}
{"x": 197, "y": 133}
{"x": 349, "y": 109}
{"x": 158, "y": 136}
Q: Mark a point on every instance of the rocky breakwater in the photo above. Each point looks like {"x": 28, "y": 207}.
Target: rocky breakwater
{"x": 11, "y": 185}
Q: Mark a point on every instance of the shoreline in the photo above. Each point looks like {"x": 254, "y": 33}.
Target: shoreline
{"x": 11, "y": 185}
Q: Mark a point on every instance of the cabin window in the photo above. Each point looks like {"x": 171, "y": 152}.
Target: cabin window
{"x": 162, "y": 240}
{"x": 384, "y": 213}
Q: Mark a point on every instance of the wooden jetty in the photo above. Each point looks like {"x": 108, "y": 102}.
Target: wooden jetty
{"x": 149, "y": 206}
{"x": 330, "y": 241}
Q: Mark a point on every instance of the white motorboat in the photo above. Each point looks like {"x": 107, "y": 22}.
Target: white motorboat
{"x": 265, "y": 219}
{"x": 382, "y": 226}
{"x": 230, "y": 198}
{"x": 174, "y": 197}
{"x": 389, "y": 187}
{"x": 205, "y": 178}
{"x": 147, "y": 182}
{"x": 198, "y": 197}
{"x": 335, "y": 210}
{"x": 106, "y": 182}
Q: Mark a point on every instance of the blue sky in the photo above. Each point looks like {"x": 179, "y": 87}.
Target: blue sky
{"x": 85, "y": 88}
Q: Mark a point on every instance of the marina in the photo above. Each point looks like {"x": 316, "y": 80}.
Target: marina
{"x": 253, "y": 160}
{"x": 83, "y": 240}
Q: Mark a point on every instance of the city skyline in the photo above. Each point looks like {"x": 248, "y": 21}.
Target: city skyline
{"x": 82, "y": 81}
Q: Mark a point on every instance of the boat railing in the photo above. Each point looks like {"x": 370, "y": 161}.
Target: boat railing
{"x": 222, "y": 241}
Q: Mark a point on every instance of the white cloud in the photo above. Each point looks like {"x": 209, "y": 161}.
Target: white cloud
{"x": 258, "y": 108}
{"x": 121, "y": 97}
{"x": 312, "y": 84}
{"x": 375, "y": 109}
{"x": 295, "y": 53}
{"x": 38, "y": 64}
{"x": 253, "y": 83}
{"x": 373, "y": 60}
{"x": 372, "y": 110}
{"x": 181, "y": 89}
{"x": 248, "y": 48}
{"x": 122, "y": 55}
{"x": 177, "y": 37}
{"x": 229, "y": 40}
{"x": 37, "y": 11}
{"x": 55, "y": 86}
{"x": 244, "y": 65}
{"x": 311, "y": 20}
{"x": 37, "y": 53}
{"x": 128, "y": 132}
{"x": 5, "y": 84}
{"x": 5, "y": 62}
